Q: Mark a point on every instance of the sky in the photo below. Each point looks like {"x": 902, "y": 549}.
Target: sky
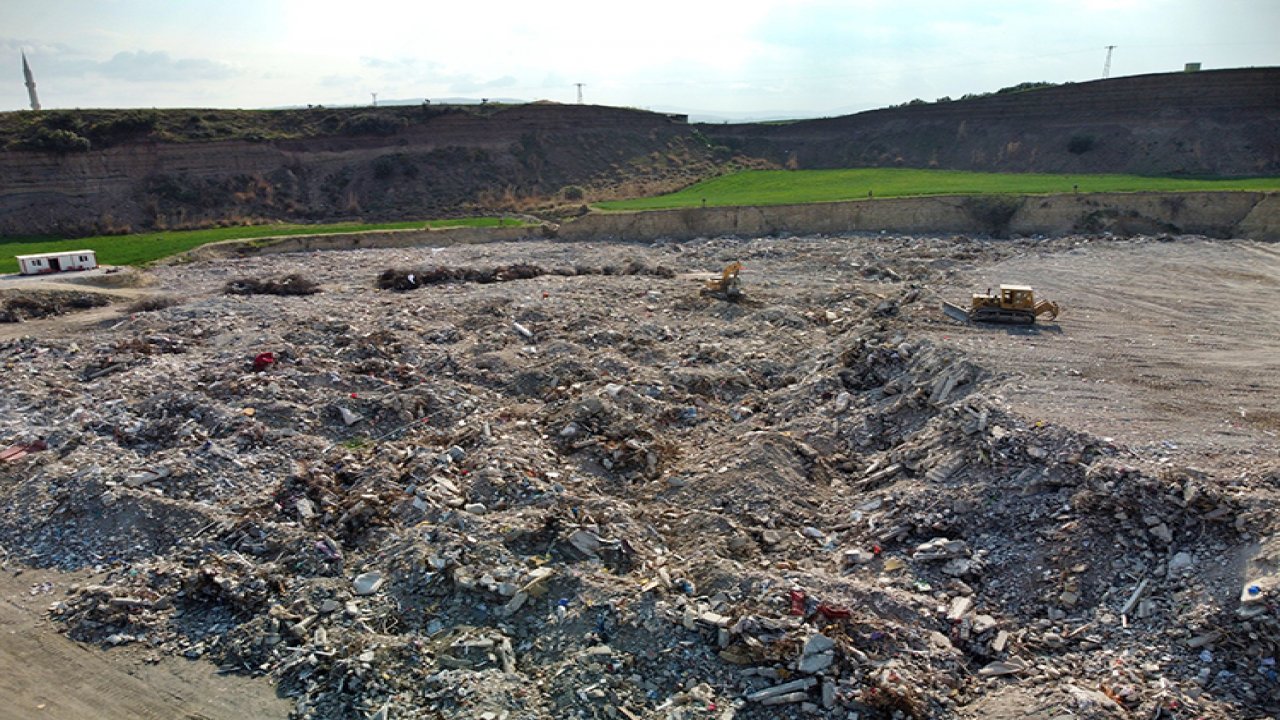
{"x": 736, "y": 59}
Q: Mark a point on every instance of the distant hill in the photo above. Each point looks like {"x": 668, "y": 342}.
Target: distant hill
{"x": 398, "y": 102}
{"x": 1210, "y": 123}
{"x": 72, "y": 172}
{"x": 103, "y": 171}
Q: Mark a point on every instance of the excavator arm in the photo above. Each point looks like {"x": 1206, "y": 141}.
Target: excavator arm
{"x": 728, "y": 278}
{"x": 726, "y": 286}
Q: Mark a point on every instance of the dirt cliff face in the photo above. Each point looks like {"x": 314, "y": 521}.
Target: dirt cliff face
{"x": 167, "y": 169}
{"x": 1217, "y": 123}
{"x": 446, "y": 164}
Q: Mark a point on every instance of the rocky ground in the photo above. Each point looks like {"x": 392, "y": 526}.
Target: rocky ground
{"x": 591, "y": 491}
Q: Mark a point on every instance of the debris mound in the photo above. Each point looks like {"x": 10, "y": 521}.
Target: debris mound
{"x": 599, "y": 495}
{"x": 152, "y": 303}
{"x": 17, "y": 306}
{"x": 292, "y": 284}
{"x": 411, "y": 279}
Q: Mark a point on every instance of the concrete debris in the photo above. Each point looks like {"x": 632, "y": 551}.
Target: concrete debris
{"x": 1087, "y": 699}
{"x": 858, "y": 556}
{"x": 1163, "y": 533}
{"x": 368, "y": 583}
{"x": 812, "y": 504}
{"x": 1000, "y": 641}
{"x": 1181, "y": 563}
{"x": 1003, "y": 667}
{"x": 782, "y": 690}
{"x": 818, "y": 655}
{"x": 940, "y": 549}
{"x": 1133, "y": 598}
{"x": 142, "y": 477}
{"x": 960, "y": 606}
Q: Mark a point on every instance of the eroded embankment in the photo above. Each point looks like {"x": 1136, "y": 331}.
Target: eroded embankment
{"x": 1253, "y": 215}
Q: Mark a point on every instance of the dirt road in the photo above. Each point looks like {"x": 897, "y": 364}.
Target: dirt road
{"x": 119, "y": 287}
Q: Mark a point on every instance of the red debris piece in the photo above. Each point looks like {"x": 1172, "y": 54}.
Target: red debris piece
{"x": 264, "y": 361}
{"x": 17, "y": 452}
{"x": 797, "y": 602}
{"x": 833, "y": 612}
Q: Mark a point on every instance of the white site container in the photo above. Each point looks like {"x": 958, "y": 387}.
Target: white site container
{"x": 57, "y": 262}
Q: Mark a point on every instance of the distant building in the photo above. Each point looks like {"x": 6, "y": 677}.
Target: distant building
{"x": 57, "y": 262}
{"x": 1191, "y": 67}
{"x": 31, "y": 83}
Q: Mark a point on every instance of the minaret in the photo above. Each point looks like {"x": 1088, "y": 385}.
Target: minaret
{"x": 31, "y": 83}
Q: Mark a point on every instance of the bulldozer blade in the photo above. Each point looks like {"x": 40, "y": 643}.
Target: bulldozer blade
{"x": 955, "y": 312}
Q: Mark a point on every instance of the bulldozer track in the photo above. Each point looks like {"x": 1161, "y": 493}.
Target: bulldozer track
{"x": 1017, "y": 317}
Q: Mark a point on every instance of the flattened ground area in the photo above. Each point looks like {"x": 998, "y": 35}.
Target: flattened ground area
{"x": 48, "y": 675}
{"x": 1160, "y": 345}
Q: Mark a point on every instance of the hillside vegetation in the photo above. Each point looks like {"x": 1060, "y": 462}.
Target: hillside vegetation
{"x": 138, "y": 249}
{"x": 82, "y": 130}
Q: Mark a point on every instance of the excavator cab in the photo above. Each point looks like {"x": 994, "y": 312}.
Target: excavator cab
{"x": 1018, "y": 297}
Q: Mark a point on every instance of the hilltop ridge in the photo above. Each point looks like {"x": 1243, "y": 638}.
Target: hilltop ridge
{"x": 1220, "y": 123}
{"x": 94, "y": 171}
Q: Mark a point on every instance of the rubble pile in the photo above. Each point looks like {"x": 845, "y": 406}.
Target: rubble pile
{"x": 19, "y": 305}
{"x": 412, "y": 279}
{"x": 602, "y": 495}
{"x": 291, "y": 284}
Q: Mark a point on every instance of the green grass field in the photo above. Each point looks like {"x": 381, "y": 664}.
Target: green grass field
{"x": 146, "y": 247}
{"x": 783, "y": 187}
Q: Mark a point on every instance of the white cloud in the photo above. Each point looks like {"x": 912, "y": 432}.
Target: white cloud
{"x": 803, "y": 56}
{"x": 142, "y": 66}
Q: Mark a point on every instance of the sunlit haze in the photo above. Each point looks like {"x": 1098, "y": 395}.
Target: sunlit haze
{"x": 742, "y": 59}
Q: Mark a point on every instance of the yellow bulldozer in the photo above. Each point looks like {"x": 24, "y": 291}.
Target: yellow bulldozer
{"x": 1013, "y": 304}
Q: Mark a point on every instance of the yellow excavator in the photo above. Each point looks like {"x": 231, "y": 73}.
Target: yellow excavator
{"x": 727, "y": 285}
{"x": 1013, "y": 304}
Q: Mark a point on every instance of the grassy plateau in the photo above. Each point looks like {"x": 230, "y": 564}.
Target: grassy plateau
{"x": 785, "y": 187}
{"x": 146, "y": 247}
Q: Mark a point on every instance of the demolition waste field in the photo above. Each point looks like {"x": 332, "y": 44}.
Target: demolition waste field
{"x": 556, "y": 480}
